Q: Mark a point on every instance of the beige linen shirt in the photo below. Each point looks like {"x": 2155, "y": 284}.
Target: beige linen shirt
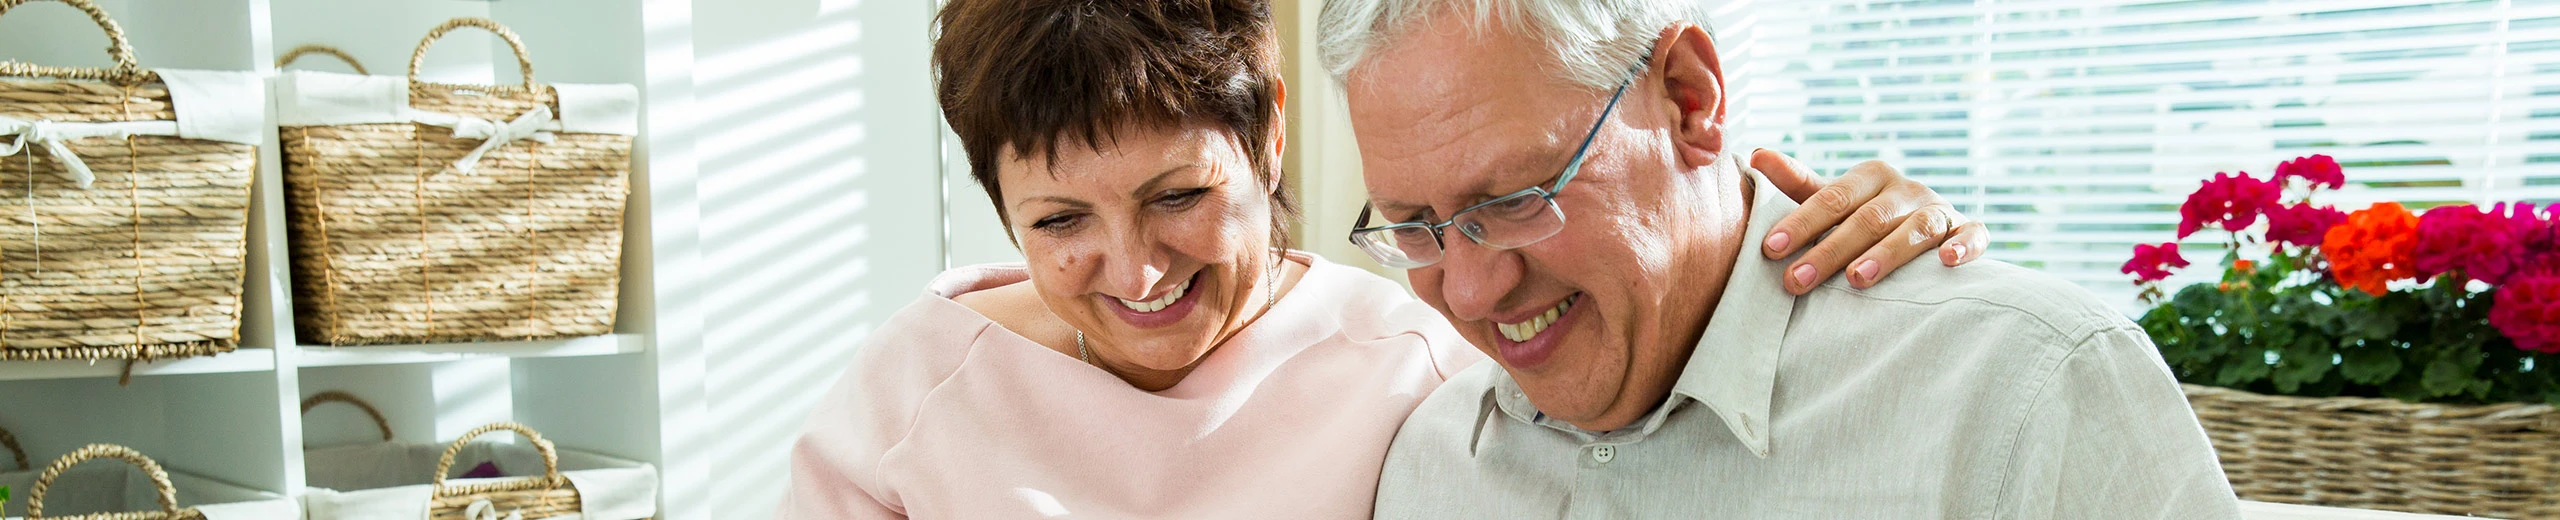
{"x": 1983, "y": 391}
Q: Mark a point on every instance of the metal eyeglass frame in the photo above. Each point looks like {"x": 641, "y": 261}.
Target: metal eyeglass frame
{"x": 1438, "y": 236}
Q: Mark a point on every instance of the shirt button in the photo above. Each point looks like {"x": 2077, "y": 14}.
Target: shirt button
{"x": 1604, "y": 453}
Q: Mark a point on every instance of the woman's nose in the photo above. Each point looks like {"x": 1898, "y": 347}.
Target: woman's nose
{"x": 1133, "y": 266}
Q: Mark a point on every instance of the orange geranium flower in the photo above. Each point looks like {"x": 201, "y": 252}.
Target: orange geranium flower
{"x": 2372, "y": 247}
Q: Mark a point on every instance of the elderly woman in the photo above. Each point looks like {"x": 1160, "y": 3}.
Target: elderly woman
{"x": 1160, "y": 354}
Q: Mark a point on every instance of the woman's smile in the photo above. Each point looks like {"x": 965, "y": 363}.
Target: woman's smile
{"x": 1162, "y": 311}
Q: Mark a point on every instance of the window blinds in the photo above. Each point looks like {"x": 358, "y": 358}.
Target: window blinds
{"x": 2074, "y": 128}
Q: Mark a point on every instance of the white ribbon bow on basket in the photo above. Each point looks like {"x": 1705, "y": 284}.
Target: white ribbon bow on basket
{"x": 483, "y": 510}
{"x": 55, "y": 138}
{"x": 534, "y": 124}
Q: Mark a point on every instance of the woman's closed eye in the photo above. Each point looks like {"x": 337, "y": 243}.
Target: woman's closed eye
{"x": 1177, "y": 200}
{"x": 1059, "y": 224}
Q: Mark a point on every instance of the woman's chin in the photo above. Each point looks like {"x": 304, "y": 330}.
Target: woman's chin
{"x": 1169, "y": 358}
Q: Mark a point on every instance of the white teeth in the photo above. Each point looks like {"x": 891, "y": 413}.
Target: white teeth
{"x": 1521, "y": 332}
{"x": 1158, "y": 304}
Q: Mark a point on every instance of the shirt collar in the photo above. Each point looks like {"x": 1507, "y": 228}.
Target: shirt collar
{"x": 1734, "y": 369}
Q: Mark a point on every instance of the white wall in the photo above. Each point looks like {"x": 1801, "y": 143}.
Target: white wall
{"x": 973, "y": 233}
{"x": 383, "y": 35}
{"x": 1321, "y": 155}
{"x": 820, "y": 200}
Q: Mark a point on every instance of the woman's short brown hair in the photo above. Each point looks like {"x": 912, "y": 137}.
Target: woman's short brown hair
{"x": 1026, "y": 75}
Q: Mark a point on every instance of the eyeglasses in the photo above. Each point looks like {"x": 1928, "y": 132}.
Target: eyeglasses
{"x": 1508, "y": 222}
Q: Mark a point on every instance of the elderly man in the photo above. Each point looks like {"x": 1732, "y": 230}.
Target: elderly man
{"x": 1550, "y": 170}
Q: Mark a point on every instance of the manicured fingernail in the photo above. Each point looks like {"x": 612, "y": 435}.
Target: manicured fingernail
{"x": 1958, "y": 249}
{"x": 1866, "y": 271}
{"x": 1804, "y": 275}
{"x": 1777, "y": 241}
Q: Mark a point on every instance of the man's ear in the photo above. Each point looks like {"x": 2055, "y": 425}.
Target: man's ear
{"x": 1692, "y": 79}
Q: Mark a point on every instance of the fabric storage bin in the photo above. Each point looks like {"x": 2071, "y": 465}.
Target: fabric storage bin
{"x": 402, "y": 480}
{"x": 67, "y": 489}
{"x": 427, "y": 213}
{"x": 124, "y": 206}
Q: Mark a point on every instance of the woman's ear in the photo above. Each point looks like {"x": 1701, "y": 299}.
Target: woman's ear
{"x": 1693, "y": 83}
{"x": 1279, "y": 129}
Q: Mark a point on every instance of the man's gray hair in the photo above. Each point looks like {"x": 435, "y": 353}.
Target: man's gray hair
{"x": 1594, "y": 43}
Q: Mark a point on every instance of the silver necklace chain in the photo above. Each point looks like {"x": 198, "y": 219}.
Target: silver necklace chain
{"x": 1270, "y": 297}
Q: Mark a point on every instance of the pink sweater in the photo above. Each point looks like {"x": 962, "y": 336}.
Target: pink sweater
{"x": 945, "y": 414}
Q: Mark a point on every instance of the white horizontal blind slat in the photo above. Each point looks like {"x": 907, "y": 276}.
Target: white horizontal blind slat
{"x": 2075, "y": 127}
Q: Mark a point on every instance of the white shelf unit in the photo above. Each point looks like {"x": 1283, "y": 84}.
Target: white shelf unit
{"x": 636, "y": 394}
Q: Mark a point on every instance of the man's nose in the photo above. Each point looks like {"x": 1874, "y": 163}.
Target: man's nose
{"x": 1475, "y": 278}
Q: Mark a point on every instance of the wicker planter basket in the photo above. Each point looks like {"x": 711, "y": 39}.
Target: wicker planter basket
{"x": 482, "y": 213}
{"x": 122, "y": 229}
{"x": 2500, "y": 460}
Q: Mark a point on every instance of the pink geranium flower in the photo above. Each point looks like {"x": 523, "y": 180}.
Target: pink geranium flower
{"x": 2232, "y": 201}
{"x": 2151, "y": 263}
{"x": 2317, "y": 170}
{"x": 2476, "y": 245}
{"x": 2527, "y": 309}
{"x": 2301, "y": 224}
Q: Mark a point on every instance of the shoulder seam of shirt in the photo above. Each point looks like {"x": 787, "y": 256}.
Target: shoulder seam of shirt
{"x": 2089, "y": 325}
{"x": 2008, "y": 474}
{"x": 916, "y": 418}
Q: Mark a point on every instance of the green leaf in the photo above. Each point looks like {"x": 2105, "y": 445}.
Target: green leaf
{"x": 2452, "y": 374}
{"x": 2244, "y": 365}
{"x": 2405, "y": 389}
{"x": 2198, "y": 300}
{"x": 2307, "y": 360}
{"x": 2371, "y": 365}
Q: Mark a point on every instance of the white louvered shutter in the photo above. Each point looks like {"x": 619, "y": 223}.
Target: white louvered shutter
{"x": 2074, "y": 128}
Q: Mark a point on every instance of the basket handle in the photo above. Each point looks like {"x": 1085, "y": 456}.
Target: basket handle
{"x": 524, "y": 60}
{"x": 334, "y": 396}
{"x": 551, "y": 478}
{"x": 127, "y": 71}
{"x": 11, "y": 441}
{"x": 159, "y": 479}
{"x": 298, "y": 52}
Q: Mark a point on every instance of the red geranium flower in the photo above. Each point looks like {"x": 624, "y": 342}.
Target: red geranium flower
{"x": 2235, "y": 202}
{"x": 2301, "y": 224}
{"x": 2476, "y": 245}
{"x": 2150, "y": 263}
{"x": 2371, "y": 248}
{"x": 2318, "y": 170}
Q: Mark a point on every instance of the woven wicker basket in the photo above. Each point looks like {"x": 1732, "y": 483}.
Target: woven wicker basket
{"x": 298, "y": 52}
{"x": 547, "y": 496}
{"x": 335, "y": 396}
{"x": 393, "y": 243}
{"x": 389, "y": 479}
{"x": 144, "y": 263}
{"x": 2499, "y": 460}
{"x": 168, "y": 493}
